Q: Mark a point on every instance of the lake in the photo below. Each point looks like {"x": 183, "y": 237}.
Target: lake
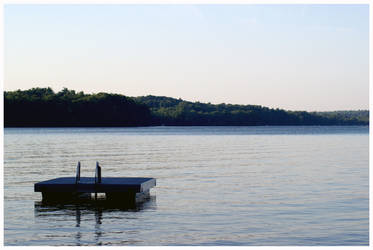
{"x": 249, "y": 186}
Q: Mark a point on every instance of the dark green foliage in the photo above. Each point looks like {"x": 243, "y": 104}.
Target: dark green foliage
{"x": 42, "y": 107}
{"x": 349, "y": 116}
{"x": 170, "y": 111}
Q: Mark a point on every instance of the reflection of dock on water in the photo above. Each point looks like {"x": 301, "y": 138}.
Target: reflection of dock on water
{"x": 100, "y": 191}
{"x": 81, "y": 215}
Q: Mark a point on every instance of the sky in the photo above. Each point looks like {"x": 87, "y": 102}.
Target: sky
{"x": 294, "y": 57}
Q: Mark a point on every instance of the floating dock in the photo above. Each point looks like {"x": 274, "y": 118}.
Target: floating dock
{"x": 122, "y": 190}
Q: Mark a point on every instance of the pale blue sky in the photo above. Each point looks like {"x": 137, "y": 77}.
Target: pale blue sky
{"x": 296, "y": 57}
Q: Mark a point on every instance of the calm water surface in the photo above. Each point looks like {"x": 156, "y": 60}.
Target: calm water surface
{"x": 215, "y": 185}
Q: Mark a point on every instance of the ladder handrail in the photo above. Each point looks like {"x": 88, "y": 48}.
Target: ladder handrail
{"x": 98, "y": 173}
{"x": 77, "y": 178}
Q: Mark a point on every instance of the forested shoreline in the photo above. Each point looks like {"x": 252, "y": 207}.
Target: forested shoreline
{"x": 42, "y": 107}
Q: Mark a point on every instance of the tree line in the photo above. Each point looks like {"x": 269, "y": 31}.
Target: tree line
{"x": 42, "y": 107}
{"x": 171, "y": 111}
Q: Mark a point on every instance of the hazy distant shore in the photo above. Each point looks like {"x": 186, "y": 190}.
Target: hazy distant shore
{"x": 42, "y": 107}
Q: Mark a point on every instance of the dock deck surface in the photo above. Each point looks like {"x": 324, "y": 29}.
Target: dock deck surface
{"x": 87, "y": 184}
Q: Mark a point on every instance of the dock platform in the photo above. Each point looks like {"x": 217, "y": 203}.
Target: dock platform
{"x": 115, "y": 189}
